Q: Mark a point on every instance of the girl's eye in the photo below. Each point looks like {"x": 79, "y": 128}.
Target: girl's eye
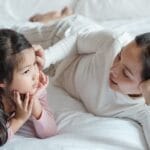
{"x": 25, "y": 72}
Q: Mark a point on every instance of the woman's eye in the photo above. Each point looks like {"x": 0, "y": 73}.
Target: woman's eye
{"x": 119, "y": 56}
{"x": 125, "y": 74}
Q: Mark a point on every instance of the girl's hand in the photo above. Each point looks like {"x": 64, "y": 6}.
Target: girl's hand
{"x": 145, "y": 88}
{"x": 39, "y": 52}
{"x": 37, "y": 108}
{"x": 23, "y": 107}
{"x": 43, "y": 83}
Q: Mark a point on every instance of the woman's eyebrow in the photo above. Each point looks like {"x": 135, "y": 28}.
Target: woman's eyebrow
{"x": 129, "y": 70}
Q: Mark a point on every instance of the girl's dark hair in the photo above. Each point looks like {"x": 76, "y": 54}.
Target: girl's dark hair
{"x": 143, "y": 41}
{"x": 11, "y": 43}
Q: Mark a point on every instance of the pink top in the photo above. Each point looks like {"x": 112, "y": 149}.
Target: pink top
{"x": 44, "y": 127}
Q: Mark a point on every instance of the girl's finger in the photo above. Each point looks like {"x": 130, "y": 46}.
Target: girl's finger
{"x": 26, "y": 100}
{"x": 30, "y": 105}
{"x": 17, "y": 99}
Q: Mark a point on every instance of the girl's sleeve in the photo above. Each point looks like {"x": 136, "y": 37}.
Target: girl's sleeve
{"x": 10, "y": 132}
{"x": 45, "y": 126}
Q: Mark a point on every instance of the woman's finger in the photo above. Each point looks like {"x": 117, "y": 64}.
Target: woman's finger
{"x": 39, "y": 51}
{"x": 40, "y": 61}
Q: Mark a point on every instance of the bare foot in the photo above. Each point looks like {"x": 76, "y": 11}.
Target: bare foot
{"x": 52, "y": 15}
{"x": 66, "y": 11}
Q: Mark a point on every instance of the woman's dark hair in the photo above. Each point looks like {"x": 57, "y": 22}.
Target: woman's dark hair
{"x": 143, "y": 41}
{"x": 11, "y": 43}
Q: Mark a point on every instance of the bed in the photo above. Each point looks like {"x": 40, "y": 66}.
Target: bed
{"x": 79, "y": 129}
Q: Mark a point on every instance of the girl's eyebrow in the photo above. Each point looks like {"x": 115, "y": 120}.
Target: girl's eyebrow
{"x": 19, "y": 69}
{"x": 27, "y": 66}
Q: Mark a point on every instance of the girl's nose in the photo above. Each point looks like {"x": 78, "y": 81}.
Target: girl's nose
{"x": 35, "y": 73}
{"x": 33, "y": 77}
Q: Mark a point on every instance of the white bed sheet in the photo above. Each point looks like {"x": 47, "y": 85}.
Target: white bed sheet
{"x": 78, "y": 130}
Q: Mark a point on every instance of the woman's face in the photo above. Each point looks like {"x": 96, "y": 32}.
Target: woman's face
{"x": 125, "y": 73}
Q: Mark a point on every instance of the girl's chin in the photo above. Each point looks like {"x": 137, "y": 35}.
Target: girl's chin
{"x": 33, "y": 91}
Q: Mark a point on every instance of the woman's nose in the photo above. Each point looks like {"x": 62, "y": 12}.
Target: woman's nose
{"x": 115, "y": 70}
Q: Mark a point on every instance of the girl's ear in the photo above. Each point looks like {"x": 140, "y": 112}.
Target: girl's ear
{"x": 2, "y": 85}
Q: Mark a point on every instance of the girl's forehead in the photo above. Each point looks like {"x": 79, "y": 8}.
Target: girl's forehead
{"x": 25, "y": 57}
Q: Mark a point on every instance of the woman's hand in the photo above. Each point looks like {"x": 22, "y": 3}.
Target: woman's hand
{"x": 39, "y": 52}
{"x": 145, "y": 88}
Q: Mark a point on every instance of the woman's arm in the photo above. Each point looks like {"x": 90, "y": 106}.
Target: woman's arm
{"x": 60, "y": 50}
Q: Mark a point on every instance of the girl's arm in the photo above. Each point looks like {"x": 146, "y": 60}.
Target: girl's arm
{"x": 45, "y": 125}
{"x": 43, "y": 119}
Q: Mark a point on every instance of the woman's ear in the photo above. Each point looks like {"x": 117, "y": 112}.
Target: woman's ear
{"x": 2, "y": 85}
{"x": 145, "y": 89}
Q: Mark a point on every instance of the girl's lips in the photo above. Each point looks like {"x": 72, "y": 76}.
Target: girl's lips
{"x": 36, "y": 85}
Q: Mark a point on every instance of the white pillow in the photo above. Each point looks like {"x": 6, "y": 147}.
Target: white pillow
{"x": 102, "y": 10}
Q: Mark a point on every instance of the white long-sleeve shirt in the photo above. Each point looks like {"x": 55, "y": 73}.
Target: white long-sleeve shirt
{"x": 85, "y": 76}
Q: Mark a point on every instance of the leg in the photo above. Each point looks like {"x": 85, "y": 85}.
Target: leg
{"x": 52, "y": 15}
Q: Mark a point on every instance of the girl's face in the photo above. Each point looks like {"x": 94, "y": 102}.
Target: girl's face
{"x": 26, "y": 75}
{"x": 125, "y": 73}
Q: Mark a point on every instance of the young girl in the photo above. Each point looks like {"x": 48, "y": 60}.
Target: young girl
{"x": 106, "y": 74}
{"x": 23, "y": 102}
